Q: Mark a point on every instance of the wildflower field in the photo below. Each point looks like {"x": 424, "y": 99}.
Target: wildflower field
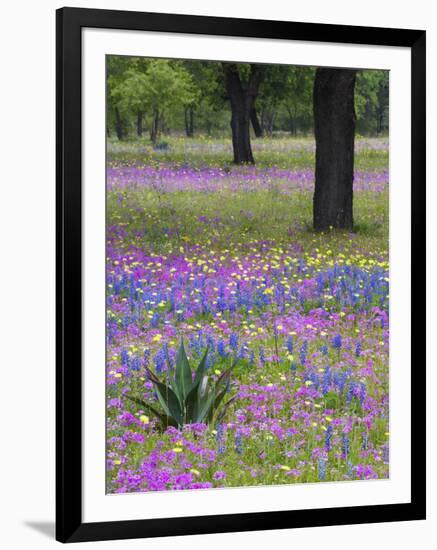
{"x": 223, "y": 259}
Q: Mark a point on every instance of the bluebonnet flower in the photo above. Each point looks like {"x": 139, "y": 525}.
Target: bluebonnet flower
{"x": 345, "y": 445}
{"x": 350, "y": 392}
{"x": 262, "y": 356}
{"x": 312, "y": 377}
{"x": 303, "y": 352}
{"x": 242, "y": 352}
{"x": 221, "y": 304}
{"x": 211, "y": 344}
{"x": 238, "y": 444}
{"x": 221, "y": 350}
{"x": 322, "y": 469}
{"x": 125, "y": 321}
{"x": 328, "y": 436}
{"x": 233, "y": 340}
{"x": 124, "y": 357}
{"x": 337, "y": 342}
{"x": 363, "y": 392}
{"x": 221, "y": 439}
{"x": 192, "y": 343}
{"x": 135, "y": 364}
{"x": 290, "y": 344}
{"x": 154, "y": 321}
{"x": 160, "y": 359}
{"x": 326, "y": 381}
{"x": 358, "y": 349}
{"x": 111, "y": 333}
{"x": 198, "y": 344}
{"x": 205, "y": 306}
{"x": 180, "y": 315}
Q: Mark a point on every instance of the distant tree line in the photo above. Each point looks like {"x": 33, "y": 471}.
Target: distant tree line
{"x": 151, "y": 97}
{"x": 166, "y": 95}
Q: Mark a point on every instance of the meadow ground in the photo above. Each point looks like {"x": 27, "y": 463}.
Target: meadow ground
{"x": 225, "y": 258}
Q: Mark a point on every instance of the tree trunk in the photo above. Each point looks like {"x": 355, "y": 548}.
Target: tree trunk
{"x": 268, "y": 116}
{"x": 267, "y": 122}
{"x": 263, "y": 121}
{"x": 242, "y": 101}
{"x": 119, "y": 128}
{"x": 241, "y": 134}
{"x": 334, "y": 129}
{"x": 291, "y": 122}
{"x": 155, "y": 127}
{"x": 255, "y": 123}
{"x": 189, "y": 122}
{"x": 379, "y": 121}
{"x": 272, "y": 121}
{"x": 162, "y": 124}
{"x": 139, "y": 123}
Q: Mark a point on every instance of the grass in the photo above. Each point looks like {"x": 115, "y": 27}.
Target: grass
{"x": 286, "y": 152}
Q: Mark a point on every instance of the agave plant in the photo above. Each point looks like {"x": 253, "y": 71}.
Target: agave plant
{"x": 185, "y": 399}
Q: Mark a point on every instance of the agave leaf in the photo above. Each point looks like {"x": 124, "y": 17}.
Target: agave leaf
{"x": 163, "y": 418}
{"x": 167, "y": 398}
{"x": 225, "y": 408}
{"x": 191, "y": 404}
{"x": 144, "y": 405}
{"x": 173, "y": 382}
{"x": 176, "y": 392}
{"x": 225, "y": 376}
{"x": 169, "y": 402}
{"x": 191, "y": 400}
{"x": 218, "y": 399}
{"x": 188, "y": 400}
{"x": 152, "y": 376}
{"x": 183, "y": 376}
{"x": 203, "y": 387}
{"x": 205, "y": 406}
{"x": 201, "y": 368}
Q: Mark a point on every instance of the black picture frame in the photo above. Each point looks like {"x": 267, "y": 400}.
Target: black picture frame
{"x": 69, "y": 525}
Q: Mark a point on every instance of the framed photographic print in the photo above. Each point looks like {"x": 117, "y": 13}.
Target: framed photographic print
{"x": 241, "y": 274}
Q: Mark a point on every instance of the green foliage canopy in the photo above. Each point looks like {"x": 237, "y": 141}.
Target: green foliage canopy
{"x": 165, "y": 92}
